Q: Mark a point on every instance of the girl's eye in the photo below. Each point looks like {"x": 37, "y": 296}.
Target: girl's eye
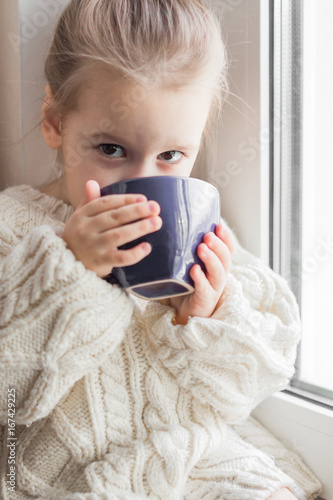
{"x": 171, "y": 156}
{"x": 112, "y": 150}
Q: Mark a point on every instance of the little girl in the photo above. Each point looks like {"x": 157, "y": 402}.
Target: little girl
{"x": 116, "y": 398}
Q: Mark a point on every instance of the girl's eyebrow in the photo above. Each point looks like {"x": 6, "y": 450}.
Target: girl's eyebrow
{"x": 119, "y": 140}
{"x": 105, "y": 135}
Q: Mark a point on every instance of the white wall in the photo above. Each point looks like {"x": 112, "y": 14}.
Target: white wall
{"x": 37, "y": 19}
{"x": 242, "y": 162}
{"x": 26, "y": 31}
{"x": 10, "y": 102}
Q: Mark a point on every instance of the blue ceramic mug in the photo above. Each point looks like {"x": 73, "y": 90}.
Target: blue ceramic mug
{"x": 190, "y": 208}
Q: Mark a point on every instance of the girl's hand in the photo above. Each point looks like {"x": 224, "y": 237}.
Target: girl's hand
{"x": 101, "y": 224}
{"x": 215, "y": 252}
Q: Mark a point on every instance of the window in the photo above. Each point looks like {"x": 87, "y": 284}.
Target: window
{"x": 302, "y": 208}
{"x": 300, "y": 227}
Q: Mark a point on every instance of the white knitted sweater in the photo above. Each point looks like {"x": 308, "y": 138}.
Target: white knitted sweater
{"x": 112, "y": 400}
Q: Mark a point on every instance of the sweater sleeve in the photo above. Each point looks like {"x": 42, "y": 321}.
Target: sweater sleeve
{"x": 58, "y": 321}
{"x": 244, "y": 352}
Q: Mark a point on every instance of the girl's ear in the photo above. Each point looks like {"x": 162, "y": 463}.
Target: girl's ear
{"x": 51, "y": 124}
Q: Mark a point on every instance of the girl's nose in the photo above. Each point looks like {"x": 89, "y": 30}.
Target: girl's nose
{"x": 146, "y": 168}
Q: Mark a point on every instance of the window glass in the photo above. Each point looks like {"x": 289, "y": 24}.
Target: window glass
{"x": 302, "y": 217}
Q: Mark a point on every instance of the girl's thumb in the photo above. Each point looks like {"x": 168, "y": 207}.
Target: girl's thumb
{"x": 93, "y": 191}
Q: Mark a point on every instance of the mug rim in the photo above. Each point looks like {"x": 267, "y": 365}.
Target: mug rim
{"x": 159, "y": 177}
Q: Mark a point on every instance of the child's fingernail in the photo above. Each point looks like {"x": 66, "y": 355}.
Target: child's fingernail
{"x": 210, "y": 238}
{"x": 204, "y": 250}
{"x": 156, "y": 222}
{"x": 153, "y": 206}
{"x": 146, "y": 247}
{"x": 140, "y": 198}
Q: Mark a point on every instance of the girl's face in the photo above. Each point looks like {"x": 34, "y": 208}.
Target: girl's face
{"x": 121, "y": 131}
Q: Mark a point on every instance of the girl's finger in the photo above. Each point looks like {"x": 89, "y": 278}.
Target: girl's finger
{"x": 226, "y": 236}
{"x": 199, "y": 278}
{"x": 93, "y": 191}
{"x": 123, "y": 258}
{"x": 125, "y": 234}
{"x": 220, "y": 248}
{"x": 215, "y": 271}
{"x": 124, "y": 215}
{"x": 111, "y": 202}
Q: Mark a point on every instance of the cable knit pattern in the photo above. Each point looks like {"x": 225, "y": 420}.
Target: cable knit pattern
{"x": 253, "y": 336}
{"x": 113, "y": 401}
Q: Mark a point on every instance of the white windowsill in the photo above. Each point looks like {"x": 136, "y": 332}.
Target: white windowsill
{"x": 304, "y": 427}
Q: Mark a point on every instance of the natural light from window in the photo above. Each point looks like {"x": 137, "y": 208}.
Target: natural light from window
{"x": 316, "y": 366}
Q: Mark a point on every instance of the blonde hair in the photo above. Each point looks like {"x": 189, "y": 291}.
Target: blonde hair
{"x": 175, "y": 43}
